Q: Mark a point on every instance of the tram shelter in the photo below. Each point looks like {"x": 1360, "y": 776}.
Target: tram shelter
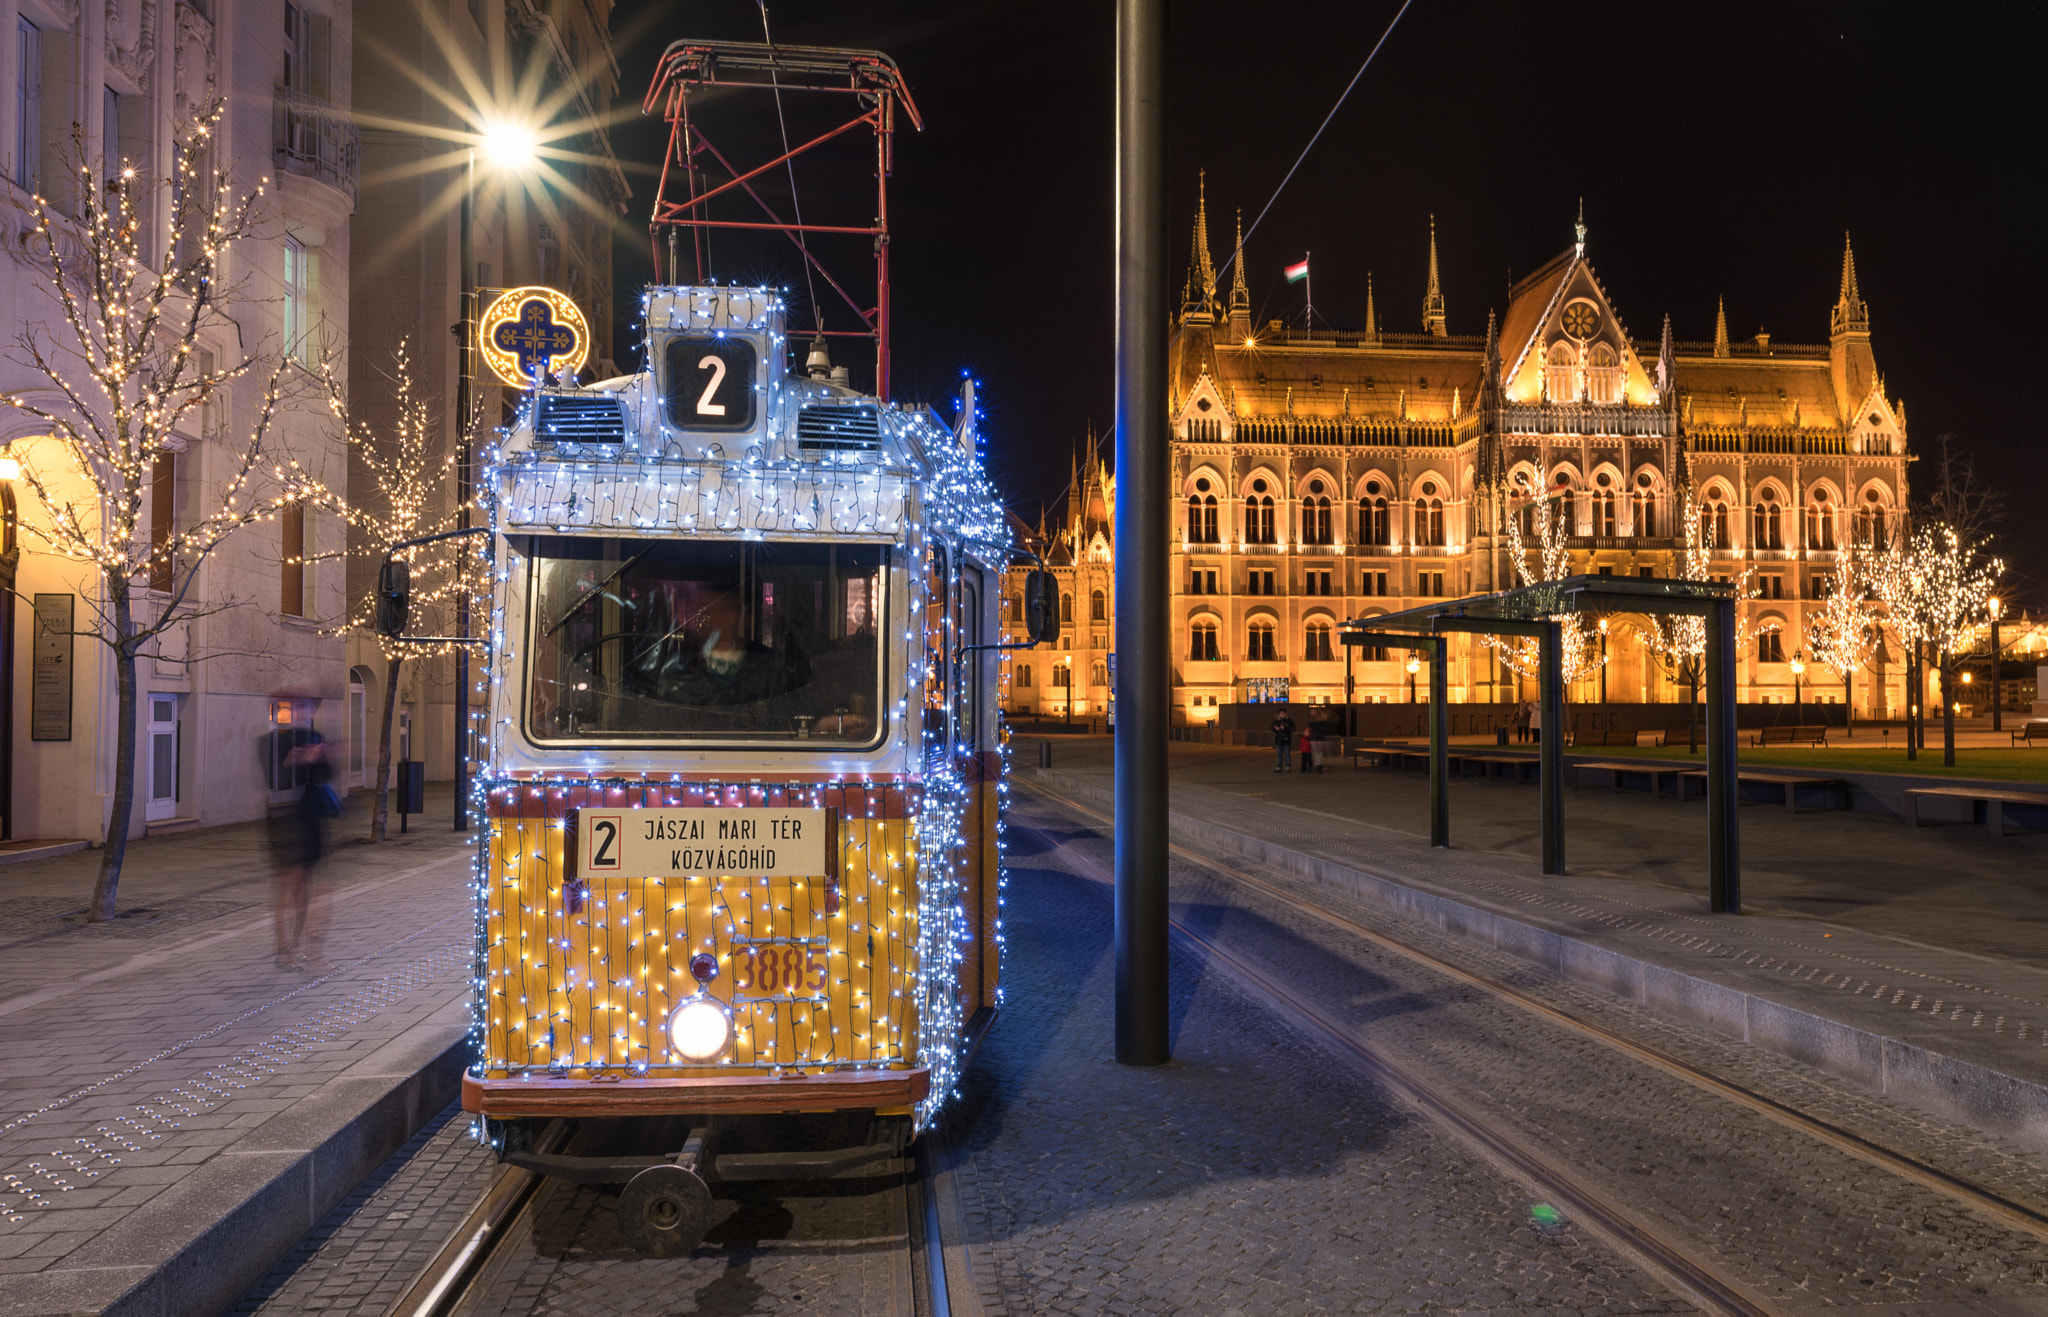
{"x": 1539, "y": 611}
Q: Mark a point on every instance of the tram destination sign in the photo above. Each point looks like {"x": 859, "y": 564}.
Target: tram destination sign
{"x": 667, "y": 842}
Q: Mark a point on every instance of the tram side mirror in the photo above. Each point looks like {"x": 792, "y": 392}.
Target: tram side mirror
{"x": 1041, "y": 613}
{"x": 394, "y": 597}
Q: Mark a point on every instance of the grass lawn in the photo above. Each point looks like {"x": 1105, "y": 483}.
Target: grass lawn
{"x": 2018, "y": 765}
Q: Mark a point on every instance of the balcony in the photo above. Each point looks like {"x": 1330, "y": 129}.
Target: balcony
{"x": 313, "y": 139}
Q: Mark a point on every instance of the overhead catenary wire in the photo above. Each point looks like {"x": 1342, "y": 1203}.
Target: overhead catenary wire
{"x": 1317, "y": 136}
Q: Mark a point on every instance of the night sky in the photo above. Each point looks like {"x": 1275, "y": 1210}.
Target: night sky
{"x": 1721, "y": 151}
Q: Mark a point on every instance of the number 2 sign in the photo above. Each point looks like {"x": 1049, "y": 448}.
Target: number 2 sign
{"x": 709, "y": 383}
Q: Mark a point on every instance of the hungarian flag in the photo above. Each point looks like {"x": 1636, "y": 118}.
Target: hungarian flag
{"x": 1297, "y": 273}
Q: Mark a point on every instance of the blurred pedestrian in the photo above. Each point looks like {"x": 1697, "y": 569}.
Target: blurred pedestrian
{"x": 1283, "y": 740}
{"x": 299, "y": 838}
{"x": 1536, "y": 721}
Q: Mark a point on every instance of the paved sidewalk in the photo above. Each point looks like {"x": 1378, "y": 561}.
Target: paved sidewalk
{"x": 1915, "y": 962}
{"x": 175, "y": 1110}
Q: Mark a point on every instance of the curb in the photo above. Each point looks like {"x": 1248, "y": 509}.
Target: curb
{"x": 1962, "y": 1091}
{"x": 244, "y": 1209}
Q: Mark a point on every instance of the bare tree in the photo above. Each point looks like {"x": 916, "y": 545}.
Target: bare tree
{"x": 1578, "y": 633}
{"x": 1680, "y": 642}
{"x": 1842, "y": 633}
{"x": 1956, "y": 498}
{"x": 406, "y": 498}
{"x": 124, "y": 368}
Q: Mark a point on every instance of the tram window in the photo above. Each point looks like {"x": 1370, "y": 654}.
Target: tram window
{"x": 708, "y": 382}
{"x": 673, "y": 640}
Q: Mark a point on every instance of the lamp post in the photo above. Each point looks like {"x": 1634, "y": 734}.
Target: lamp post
{"x": 1414, "y": 666}
{"x": 1997, "y": 723}
{"x": 510, "y": 146}
{"x": 1798, "y": 701}
{"x": 1968, "y": 677}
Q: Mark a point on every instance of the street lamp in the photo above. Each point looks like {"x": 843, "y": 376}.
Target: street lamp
{"x": 1968, "y": 677}
{"x": 1798, "y": 667}
{"x": 1414, "y": 666}
{"x": 509, "y": 146}
{"x": 1997, "y": 723}
{"x": 1603, "y": 660}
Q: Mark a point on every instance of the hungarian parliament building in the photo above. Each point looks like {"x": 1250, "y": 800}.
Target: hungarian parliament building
{"x": 1320, "y": 476}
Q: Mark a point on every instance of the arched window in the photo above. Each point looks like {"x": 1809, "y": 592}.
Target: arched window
{"x": 1767, "y": 526}
{"x": 1561, "y": 374}
{"x": 1315, "y": 515}
{"x": 1645, "y": 506}
{"x": 1603, "y": 374}
{"x": 1714, "y": 520}
{"x": 1770, "y": 643}
{"x": 1317, "y": 646}
{"x": 1066, "y": 608}
{"x": 1429, "y": 516}
{"x": 1098, "y": 607}
{"x": 1098, "y": 675}
{"x": 1872, "y": 529}
{"x": 1202, "y": 642}
{"x": 1605, "y": 521}
{"x": 1258, "y": 515}
{"x": 1372, "y": 515}
{"x": 1202, "y": 514}
{"x": 1259, "y": 643}
{"x": 1023, "y": 676}
{"x": 1820, "y": 521}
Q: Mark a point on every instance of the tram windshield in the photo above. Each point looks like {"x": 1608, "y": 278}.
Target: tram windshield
{"x": 689, "y": 640}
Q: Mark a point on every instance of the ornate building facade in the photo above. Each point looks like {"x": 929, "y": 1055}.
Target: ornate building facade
{"x": 1069, "y": 679}
{"x": 1323, "y": 475}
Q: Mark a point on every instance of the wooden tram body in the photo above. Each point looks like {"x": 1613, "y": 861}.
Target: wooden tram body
{"x": 743, "y": 746}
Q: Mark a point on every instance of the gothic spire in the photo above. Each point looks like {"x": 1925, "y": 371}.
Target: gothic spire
{"x": 1721, "y": 328}
{"x": 1579, "y": 231}
{"x": 1372, "y": 320}
{"x": 1201, "y": 294}
{"x": 1851, "y": 316}
{"x": 1667, "y": 362}
{"x": 1433, "y": 300}
{"x": 1240, "y": 300}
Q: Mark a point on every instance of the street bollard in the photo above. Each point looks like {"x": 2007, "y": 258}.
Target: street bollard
{"x": 1045, "y": 754}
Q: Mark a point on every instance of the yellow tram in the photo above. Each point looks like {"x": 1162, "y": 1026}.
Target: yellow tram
{"x": 742, "y": 777}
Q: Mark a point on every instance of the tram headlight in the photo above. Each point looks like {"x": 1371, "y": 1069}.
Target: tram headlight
{"x": 700, "y": 1029}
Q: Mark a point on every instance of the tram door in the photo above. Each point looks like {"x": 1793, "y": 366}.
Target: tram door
{"x": 980, "y": 765}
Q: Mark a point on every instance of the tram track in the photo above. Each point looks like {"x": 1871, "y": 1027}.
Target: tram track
{"x": 476, "y": 1254}
{"x": 1602, "y": 1214}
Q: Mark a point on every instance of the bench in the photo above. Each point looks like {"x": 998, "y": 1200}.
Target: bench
{"x": 1608, "y": 737}
{"x": 1521, "y": 767}
{"x": 1787, "y": 786}
{"x": 2036, "y": 729}
{"x": 1994, "y": 800}
{"x": 1682, "y": 734}
{"x": 1802, "y": 735}
{"x": 1623, "y": 775}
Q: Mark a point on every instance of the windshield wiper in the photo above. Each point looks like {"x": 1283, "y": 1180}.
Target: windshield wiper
{"x": 595, "y": 591}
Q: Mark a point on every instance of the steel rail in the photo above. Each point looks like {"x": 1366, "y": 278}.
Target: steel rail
{"x": 1999, "y": 1208}
{"x": 442, "y": 1284}
{"x": 1609, "y": 1220}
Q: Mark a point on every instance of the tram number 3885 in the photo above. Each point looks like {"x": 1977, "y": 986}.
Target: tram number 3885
{"x": 780, "y": 969}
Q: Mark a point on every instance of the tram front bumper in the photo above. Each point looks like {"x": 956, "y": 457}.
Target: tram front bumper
{"x": 508, "y": 1097}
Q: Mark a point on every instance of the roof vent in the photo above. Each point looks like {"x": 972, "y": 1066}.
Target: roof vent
{"x": 579, "y": 418}
{"x": 830, "y": 427}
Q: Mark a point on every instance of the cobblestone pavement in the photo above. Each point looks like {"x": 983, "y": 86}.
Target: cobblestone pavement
{"x": 138, "y": 1057}
{"x": 827, "y": 1247}
{"x": 1251, "y": 1174}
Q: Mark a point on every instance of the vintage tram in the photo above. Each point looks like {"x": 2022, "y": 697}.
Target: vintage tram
{"x": 740, "y": 786}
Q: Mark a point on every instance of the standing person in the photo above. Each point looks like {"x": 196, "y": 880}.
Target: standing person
{"x": 299, "y": 837}
{"x": 1536, "y": 721}
{"x": 1522, "y": 722}
{"x": 1283, "y": 740}
{"x": 1319, "y": 743}
{"x": 1307, "y": 749}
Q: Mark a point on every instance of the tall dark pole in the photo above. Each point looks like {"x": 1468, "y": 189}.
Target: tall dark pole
{"x": 1550, "y": 746}
{"x": 1724, "y": 860}
{"x": 1997, "y": 723}
{"x": 1439, "y": 744}
{"x": 465, "y": 362}
{"x": 1143, "y": 670}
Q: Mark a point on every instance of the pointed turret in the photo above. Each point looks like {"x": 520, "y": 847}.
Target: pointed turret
{"x": 1433, "y": 300}
{"x": 1490, "y": 381}
{"x": 1850, "y": 313}
{"x": 1240, "y": 299}
{"x": 1667, "y": 363}
{"x": 1372, "y": 320}
{"x": 1721, "y": 328}
{"x": 1199, "y": 303}
{"x": 1579, "y": 231}
{"x": 1850, "y": 359}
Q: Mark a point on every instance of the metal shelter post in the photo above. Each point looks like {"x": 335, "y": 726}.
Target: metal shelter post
{"x": 1439, "y": 745}
{"x": 1724, "y": 867}
{"x": 1550, "y": 749}
{"x": 1144, "y": 668}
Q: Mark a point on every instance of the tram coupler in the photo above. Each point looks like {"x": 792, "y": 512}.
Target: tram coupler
{"x": 665, "y": 1209}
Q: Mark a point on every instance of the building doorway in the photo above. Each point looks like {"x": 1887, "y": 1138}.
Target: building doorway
{"x": 357, "y": 771}
{"x": 162, "y": 738}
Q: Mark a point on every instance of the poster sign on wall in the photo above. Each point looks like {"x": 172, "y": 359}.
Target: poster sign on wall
{"x": 50, "y": 681}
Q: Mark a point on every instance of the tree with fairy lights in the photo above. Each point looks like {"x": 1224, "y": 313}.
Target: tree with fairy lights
{"x": 1842, "y": 633}
{"x": 406, "y": 497}
{"x": 1578, "y": 633}
{"x": 1936, "y": 585}
{"x": 122, "y": 366}
{"x": 1679, "y": 642}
